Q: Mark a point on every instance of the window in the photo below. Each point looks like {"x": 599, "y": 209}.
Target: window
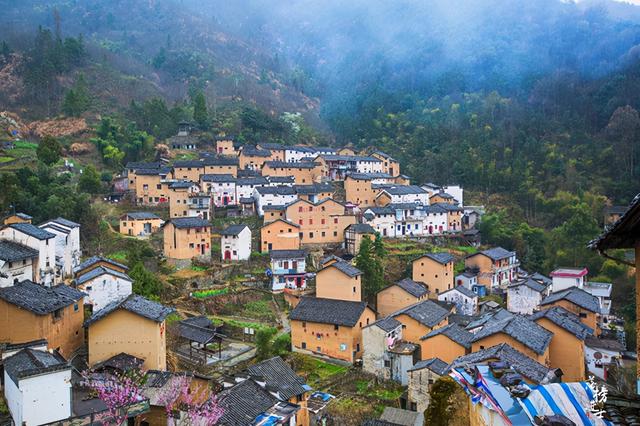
{"x": 310, "y": 234}
{"x": 304, "y": 324}
{"x": 300, "y": 222}
{"x": 57, "y": 314}
{"x": 310, "y": 221}
{"x": 335, "y": 233}
{"x": 583, "y": 315}
{"x": 75, "y": 307}
{"x": 159, "y": 186}
{"x": 300, "y": 209}
{"x": 336, "y": 327}
{"x": 191, "y": 245}
{"x": 387, "y": 363}
{"x": 323, "y": 233}
{"x": 343, "y": 347}
{"x": 322, "y": 221}
{"x": 358, "y": 347}
{"x": 354, "y": 289}
{"x": 335, "y": 220}
{"x": 481, "y": 347}
{"x": 303, "y": 345}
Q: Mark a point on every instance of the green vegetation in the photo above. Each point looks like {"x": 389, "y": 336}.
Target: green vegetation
{"x": 369, "y": 260}
{"x": 77, "y": 99}
{"x": 145, "y": 283}
{"x": 49, "y": 150}
{"x": 204, "y": 294}
{"x": 269, "y": 344}
{"x": 315, "y": 371}
{"x": 440, "y": 410}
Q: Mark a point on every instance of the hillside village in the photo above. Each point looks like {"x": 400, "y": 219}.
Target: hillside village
{"x": 278, "y": 309}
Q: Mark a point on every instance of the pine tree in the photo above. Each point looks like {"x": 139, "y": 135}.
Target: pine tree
{"x": 200, "y": 115}
{"x": 371, "y": 266}
{"x": 49, "y": 150}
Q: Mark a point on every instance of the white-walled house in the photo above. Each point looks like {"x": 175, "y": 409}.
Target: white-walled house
{"x": 17, "y": 263}
{"x": 104, "y": 285}
{"x": 382, "y": 219}
{"x": 288, "y": 269}
{"x": 68, "y": 250}
{"x": 600, "y": 354}
{"x": 467, "y": 279}
{"x": 456, "y": 191}
{"x": 273, "y": 196}
{"x": 38, "y": 239}
{"x": 37, "y": 387}
{"x": 235, "y": 243}
{"x": 466, "y": 301}
{"x": 524, "y": 297}
{"x": 221, "y": 187}
{"x": 564, "y": 278}
{"x": 396, "y": 194}
{"x": 246, "y": 185}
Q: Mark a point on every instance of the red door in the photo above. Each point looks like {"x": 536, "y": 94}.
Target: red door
{"x": 431, "y": 229}
{"x": 227, "y": 255}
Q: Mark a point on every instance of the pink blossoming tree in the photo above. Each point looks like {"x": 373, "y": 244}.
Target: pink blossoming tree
{"x": 186, "y": 405}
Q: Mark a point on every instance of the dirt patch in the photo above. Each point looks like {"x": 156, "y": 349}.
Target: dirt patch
{"x": 60, "y": 127}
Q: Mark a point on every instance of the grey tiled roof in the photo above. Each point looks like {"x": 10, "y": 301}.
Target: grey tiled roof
{"x": 288, "y": 165}
{"x": 332, "y": 157}
{"x": 32, "y": 230}
{"x": 253, "y": 180}
{"x": 328, "y": 311}
{"x": 134, "y": 304}
{"x": 281, "y": 179}
{"x": 462, "y": 289}
{"x": 382, "y": 210}
{"x": 279, "y": 377}
{"x": 531, "y": 283}
{"x": 221, "y": 160}
{"x": 287, "y": 254}
{"x": 255, "y": 152}
{"x": 66, "y": 222}
{"x": 141, "y": 215}
{"x": 101, "y": 270}
{"x": 453, "y": 332}
{"x": 436, "y": 365}
{"x": 564, "y": 319}
{"x": 181, "y": 184}
{"x": 346, "y": 268}
{"x": 31, "y": 362}
{"x": 404, "y": 190}
{"x": 412, "y": 287}
{"x": 369, "y": 176}
{"x": 387, "y": 324}
{"x": 447, "y": 207}
{"x": 275, "y": 190}
{"x": 542, "y": 278}
{"x": 497, "y": 253}
{"x": 224, "y": 178}
{"x": 523, "y": 330}
{"x": 576, "y": 296}
{"x": 188, "y": 163}
{"x": 188, "y": 222}
{"x": 315, "y": 188}
{"x": 623, "y": 232}
{"x": 95, "y": 259}
{"x": 233, "y": 230}
{"x": 520, "y": 362}
{"x": 426, "y": 312}
{"x": 242, "y": 403}
{"x": 441, "y": 257}
{"x": 39, "y": 299}
{"x": 493, "y": 315}
{"x": 13, "y": 252}
{"x": 362, "y": 228}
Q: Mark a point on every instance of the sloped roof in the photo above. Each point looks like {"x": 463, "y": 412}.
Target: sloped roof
{"x": 346, "y": 268}
{"x": 188, "y": 222}
{"x": 369, "y": 176}
{"x": 436, "y": 365}
{"x": 122, "y": 361}
{"x": 219, "y": 178}
{"x": 521, "y": 329}
{"x": 315, "y": 188}
{"x": 233, "y": 230}
{"x": 461, "y": 289}
{"x": 404, "y": 190}
{"x": 275, "y": 190}
{"x": 453, "y": 332}
{"x": 244, "y": 402}
{"x": 564, "y": 319}
{"x": 135, "y": 304}
{"x": 31, "y": 362}
{"x": 399, "y": 416}
{"x": 279, "y": 376}
{"x": 623, "y": 233}
{"x": 289, "y": 165}
{"x": 251, "y": 180}
{"x": 221, "y": 160}
{"x": 32, "y": 231}
{"x": 520, "y": 362}
{"x": 141, "y": 215}
{"x": 576, "y": 296}
{"x": 414, "y": 288}
{"x": 441, "y": 257}
{"x": 101, "y": 270}
{"x": 497, "y": 253}
{"x": 39, "y": 299}
{"x": 531, "y": 283}
{"x": 387, "y": 324}
{"x": 65, "y": 222}
{"x": 287, "y": 254}
{"x": 95, "y": 259}
{"x": 361, "y": 228}
{"x": 12, "y": 252}
{"x": 255, "y": 152}
{"x": 426, "y": 312}
{"x": 181, "y": 184}
{"x": 328, "y": 311}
